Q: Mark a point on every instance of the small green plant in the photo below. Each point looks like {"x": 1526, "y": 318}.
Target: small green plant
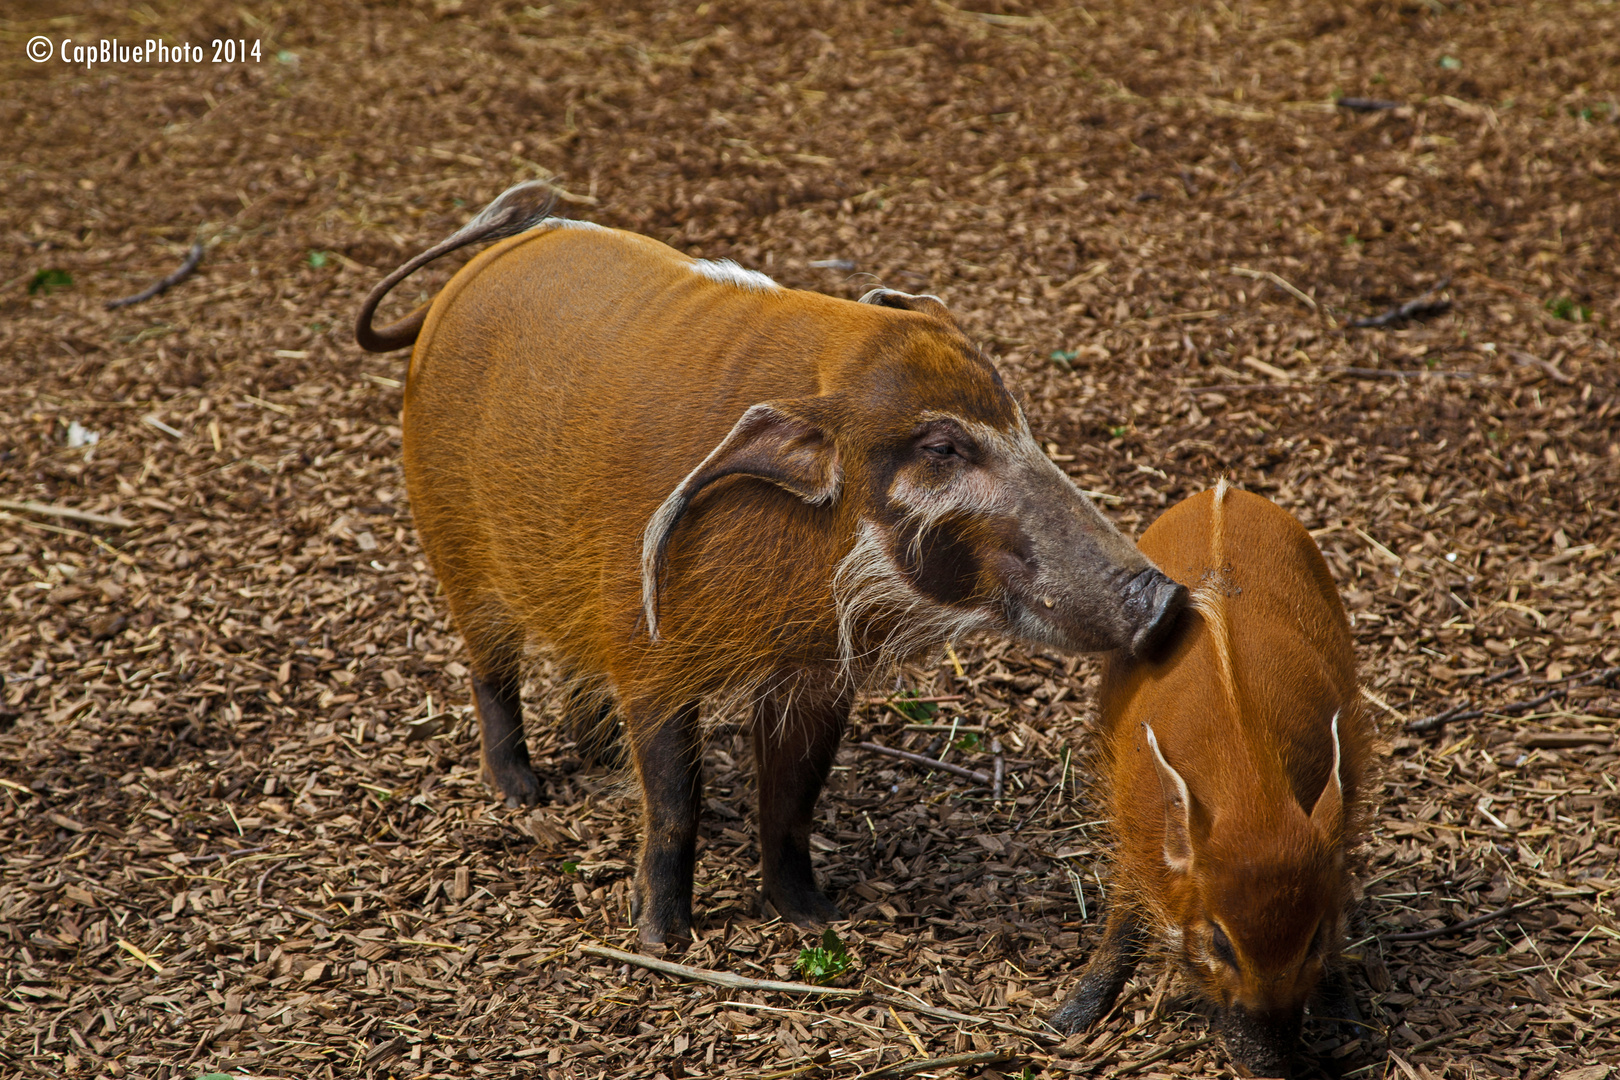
{"x": 918, "y": 712}
{"x": 1450, "y": 63}
{"x": 1564, "y": 308}
{"x": 46, "y": 280}
{"x": 1064, "y": 358}
{"x": 826, "y": 961}
{"x": 968, "y": 743}
{"x": 1117, "y": 432}
{"x": 1353, "y": 241}
{"x": 570, "y": 867}
{"x": 318, "y": 259}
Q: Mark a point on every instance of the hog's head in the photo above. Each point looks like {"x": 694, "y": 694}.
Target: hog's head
{"x": 959, "y": 521}
{"x": 1254, "y": 906}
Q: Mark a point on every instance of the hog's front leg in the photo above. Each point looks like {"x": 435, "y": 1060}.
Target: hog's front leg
{"x": 794, "y": 747}
{"x": 1106, "y": 974}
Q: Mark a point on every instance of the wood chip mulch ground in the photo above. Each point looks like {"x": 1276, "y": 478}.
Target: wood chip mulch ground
{"x": 241, "y": 823}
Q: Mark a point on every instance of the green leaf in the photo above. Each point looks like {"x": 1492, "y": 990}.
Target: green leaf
{"x": 921, "y": 712}
{"x": 218, "y": 1076}
{"x": 825, "y": 962}
{"x": 1450, "y": 63}
{"x": 46, "y": 280}
{"x": 1564, "y": 308}
{"x": 969, "y": 742}
{"x": 570, "y": 867}
{"x": 318, "y": 259}
{"x": 1117, "y": 432}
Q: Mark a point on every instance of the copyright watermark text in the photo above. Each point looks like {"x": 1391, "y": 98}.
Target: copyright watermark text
{"x": 42, "y": 49}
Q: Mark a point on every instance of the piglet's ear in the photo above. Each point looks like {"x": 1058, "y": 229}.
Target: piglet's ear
{"x": 773, "y": 441}
{"x": 1179, "y": 811}
{"x": 1328, "y": 815}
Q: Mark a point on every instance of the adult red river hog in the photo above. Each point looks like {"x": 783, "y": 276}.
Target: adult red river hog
{"x": 1233, "y": 760}
{"x": 687, "y": 482}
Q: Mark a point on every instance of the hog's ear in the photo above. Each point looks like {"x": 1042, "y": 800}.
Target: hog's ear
{"x": 1181, "y": 816}
{"x": 1328, "y": 815}
{"x": 923, "y": 303}
{"x": 773, "y": 441}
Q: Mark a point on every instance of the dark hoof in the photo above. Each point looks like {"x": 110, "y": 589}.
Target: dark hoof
{"x": 1084, "y": 1006}
{"x": 668, "y": 924}
{"x": 518, "y": 785}
{"x": 809, "y": 909}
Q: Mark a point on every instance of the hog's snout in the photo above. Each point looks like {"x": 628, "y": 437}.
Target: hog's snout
{"x": 1153, "y": 603}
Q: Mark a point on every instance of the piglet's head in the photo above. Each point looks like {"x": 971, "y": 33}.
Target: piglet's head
{"x": 960, "y": 522}
{"x": 1255, "y": 905}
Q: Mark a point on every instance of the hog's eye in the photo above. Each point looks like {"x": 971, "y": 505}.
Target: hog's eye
{"x": 1223, "y": 946}
{"x": 940, "y": 449}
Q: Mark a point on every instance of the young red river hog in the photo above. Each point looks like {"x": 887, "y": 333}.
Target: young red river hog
{"x": 1233, "y": 759}
{"x": 687, "y": 482}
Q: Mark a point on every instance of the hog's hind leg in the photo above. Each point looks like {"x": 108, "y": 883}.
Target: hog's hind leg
{"x": 668, "y": 755}
{"x": 794, "y": 747}
{"x": 590, "y": 717}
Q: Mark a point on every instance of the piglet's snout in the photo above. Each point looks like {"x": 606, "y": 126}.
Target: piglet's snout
{"x": 1152, "y": 605}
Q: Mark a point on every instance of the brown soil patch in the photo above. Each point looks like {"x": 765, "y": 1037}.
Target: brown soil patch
{"x": 225, "y": 847}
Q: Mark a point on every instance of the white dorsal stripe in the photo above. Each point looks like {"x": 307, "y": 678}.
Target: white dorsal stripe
{"x": 1210, "y": 598}
{"x": 724, "y": 270}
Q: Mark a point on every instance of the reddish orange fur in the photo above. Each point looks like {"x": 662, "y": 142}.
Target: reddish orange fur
{"x": 686, "y": 482}
{"x": 1250, "y": 737}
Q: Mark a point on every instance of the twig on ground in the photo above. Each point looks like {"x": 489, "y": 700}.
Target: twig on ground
{"x": 1524, "y": 359}
{"x": 937, "y": 1013}
{"x": 1366, "y": 105}
{"x": 928, "y": 762}
{"x": 1590, "y": 677}
{"x": 67, "y": 513}
{"x": 1000, "y": 773}
{"x": 1412, "y": 309}
{"x": 1440, "y": 1040}
{"x": 193, "y": 257}
{"x": 1467, "y": 924}
{"x": 1267, "y": 275}
{"x": 1168, "y": 1052}
{"x": 955, "y": 1061}
{"x": 226, "y": 856}
{"x": 714, "y": 978}
{"x": 1399, "y": 373}
{"x": 938, "y": 699}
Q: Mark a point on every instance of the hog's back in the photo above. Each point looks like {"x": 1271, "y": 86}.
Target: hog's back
{"x": 564, "y": 383}
{"x": 1292, "y": 662}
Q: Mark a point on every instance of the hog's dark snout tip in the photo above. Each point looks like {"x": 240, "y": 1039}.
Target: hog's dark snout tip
{"x": 1154, "y": 604}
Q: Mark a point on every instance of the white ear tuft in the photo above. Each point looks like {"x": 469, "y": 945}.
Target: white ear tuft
{"x": 1328, "y": 814}
{"x": 1178, "y": 849}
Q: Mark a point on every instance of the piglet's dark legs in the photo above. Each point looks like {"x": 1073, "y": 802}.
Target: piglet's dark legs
{"x": 1106, "y": 974}
{"x": 793, "y": 752}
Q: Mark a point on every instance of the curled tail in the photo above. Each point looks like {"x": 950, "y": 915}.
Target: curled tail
{"x": 517, "y": 209}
